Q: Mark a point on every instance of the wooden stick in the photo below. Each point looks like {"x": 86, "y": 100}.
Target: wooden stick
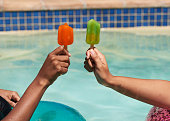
{"x": 65, "y": 47}
{"x": 91, "y": 46}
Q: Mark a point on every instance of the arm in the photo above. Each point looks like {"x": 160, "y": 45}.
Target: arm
{"x": 56, "y": 64}
{"x": 154, "y": 92}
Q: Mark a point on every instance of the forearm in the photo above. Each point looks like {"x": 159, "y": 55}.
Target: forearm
{"x": 28, "y": 103}
{"x": 154, "y": 92}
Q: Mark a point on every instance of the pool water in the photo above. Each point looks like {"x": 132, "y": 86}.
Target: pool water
{"x": 127, "y": 53}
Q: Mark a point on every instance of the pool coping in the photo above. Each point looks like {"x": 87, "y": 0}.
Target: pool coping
{"x": 136, "y": 30}
{"x": 36, "y": 5}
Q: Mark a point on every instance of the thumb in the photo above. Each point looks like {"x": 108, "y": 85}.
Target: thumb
{"x": 94, "y": 56}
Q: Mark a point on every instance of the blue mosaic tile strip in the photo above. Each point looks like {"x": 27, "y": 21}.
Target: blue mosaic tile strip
{"x": 108, "y": 18}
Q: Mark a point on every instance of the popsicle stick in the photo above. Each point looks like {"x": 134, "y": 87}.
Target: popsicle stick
{"x": 91, "y": 46}
{"x": 65, "y": 47}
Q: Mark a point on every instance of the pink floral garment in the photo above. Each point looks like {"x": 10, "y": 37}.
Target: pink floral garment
{"x": 158, "y": 114}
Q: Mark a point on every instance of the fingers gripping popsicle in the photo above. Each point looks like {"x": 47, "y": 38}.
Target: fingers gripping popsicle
{"x": 65, "y": 35}
{"x": 93, "y": 33}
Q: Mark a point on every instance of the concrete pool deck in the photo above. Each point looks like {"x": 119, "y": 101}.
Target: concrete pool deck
{"x": 27, "y": 5}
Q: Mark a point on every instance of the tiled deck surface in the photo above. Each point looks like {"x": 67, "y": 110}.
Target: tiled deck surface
{"x": 25, "y": 5}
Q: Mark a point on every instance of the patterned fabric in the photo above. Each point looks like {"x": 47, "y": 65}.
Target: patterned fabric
{"x": 158, "y": 114}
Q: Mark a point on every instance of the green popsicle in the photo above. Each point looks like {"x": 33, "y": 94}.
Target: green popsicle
{"x": 93, "y": 33}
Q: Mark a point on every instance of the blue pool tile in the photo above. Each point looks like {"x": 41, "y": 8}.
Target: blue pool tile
{"x": 14, "y": 14}
{"x": 71, "y": 19}
{"x": 152, "y": 17}
{"x": 139, "y": 10}
{"x": 125, "y": 18}
{"x": 22, "y": 27}
{"x": 165, "y": 23}
{"x": 119, "y": 25}
{"x": 119, "y": 18}
{"x": 78, "y": 26}
{"x": 112, "y": 11}
{"x": 50, "y": 20}
{"x": 21, "y": 14}
{"x": 159, "y": 17}
{"x": 118, "y": 11}
{"x": 84, "y": 12}
{"x": 7, "y": 14}
{"x": 84, "y": 25}
{"x": 158, "y": 10}
{"x": 8, "y": 28}
{"x": 98, "y": 18}
{"x": 14, "y": 21}
{"x": 28, "y": 14}
{"x": 77, "y": 19}
{"x": 57, "y": 13}
{"x": 70, "y": 12}
{"x": 152, "y": 10}
{"x": 145, "y": 17}
{"x": 132, "y": 11}
{"x": 36, "y": 27}
{"x": 84, "y": 19}
{"x": 29, "y": 21}
{"x": 7, "y": 21}
{"x": 139, "y": 18}
{"x": 165, "y": 17}
{"x": 98, "y": 11}
{"x": 1, "y": 14}
{"x": 1, "y": 22}
{"x": 43, "y": 26}
{"x": 71, "y": 25}
{"x": 139, "y": 23}
{"x": 50, "y": 13}
{"x": 132, "y": 24}
{"x": 92, "y": 12}
{"x": 105, "y": 11}
{"x": 57, "y": 26}
{"x": 112, "y": 25}
{"x": 105, "y": 25}
{"x": 132, "y": 18}
{"x": 91, "y": 17}
{"x": 152, "y": 23}
{"x": 43, "y": 13}
{"x": 57, "y": 19}
{"x": 78, "y": 12}
{"x": 15, "y": 28}
{"x": 50, "y": 27}
{"x": 112, "y": 18}
{"x": 64, "y": 19}
{"x": 43, "y": 20}
{"x": 165, "y": 10}
{"x": 29, "y": 27}
{"x": 158, "y": 23}
{"x": 145, "y": 10}
{"x": 36, "y": 13}
{"x": 125, "y": 11}
{"x": 1, "y": 28}
{"x": 36, "y": 20}
{"x": 64, "y": 12}
{"x": 125, "y": 25}
{"x": 105, "y": 18}
{"x": 145, "y": 23}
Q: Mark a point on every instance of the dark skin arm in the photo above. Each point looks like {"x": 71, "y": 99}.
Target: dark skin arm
{"x": 56, "y": 64}
{"x": 151, "y": 91}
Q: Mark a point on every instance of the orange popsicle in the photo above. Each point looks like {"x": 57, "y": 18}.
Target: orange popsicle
{"x": 65, "y": 35}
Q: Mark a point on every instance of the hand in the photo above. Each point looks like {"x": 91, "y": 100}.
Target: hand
{"x": 11, "y": 97}
{"x": 95, "y": 61}
{"x": 56, "y": 64}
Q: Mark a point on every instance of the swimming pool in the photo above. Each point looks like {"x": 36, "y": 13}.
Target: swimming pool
{"x": 141, "y": 53}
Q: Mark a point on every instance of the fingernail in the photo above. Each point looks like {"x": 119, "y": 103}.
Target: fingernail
{"x": 69, "y": 54}
{"x": 92, "y": 51}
